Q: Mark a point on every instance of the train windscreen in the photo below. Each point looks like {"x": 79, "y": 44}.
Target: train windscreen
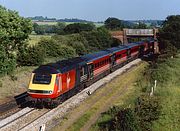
{"x": 42, "y": 79}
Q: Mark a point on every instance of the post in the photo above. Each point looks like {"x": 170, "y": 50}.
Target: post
{"x": 152, "y": 91}
{"x": 42, "y": 128}
{"x": 155, "y": 84}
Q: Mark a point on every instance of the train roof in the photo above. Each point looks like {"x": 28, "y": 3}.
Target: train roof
{"x": 116, "y": 49}
{"x": 96, "y": 55}
{"x": 60, "y": 66}
{"x": 132, "y": 45}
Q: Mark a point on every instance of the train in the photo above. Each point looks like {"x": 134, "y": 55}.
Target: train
{"x": 53, "y": 83}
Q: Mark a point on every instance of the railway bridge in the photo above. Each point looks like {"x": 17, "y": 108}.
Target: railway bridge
{"x": 127, "y": 34}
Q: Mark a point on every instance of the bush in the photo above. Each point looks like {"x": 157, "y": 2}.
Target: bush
{"x": 7, "y": 62}
{"x": 75, "y": 41}
{"x": 148, "y": 110}
{"x": 54, "y": 49}
{"x": 31, "y": 56}
{"x": 98, "y": 40}
{"x": 78, "y": 27}
{"x": 126, "y": 120}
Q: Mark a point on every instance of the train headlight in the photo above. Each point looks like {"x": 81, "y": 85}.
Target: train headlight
{"x": 50, "y": 92}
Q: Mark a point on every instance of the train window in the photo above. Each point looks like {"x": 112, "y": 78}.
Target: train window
{"x": 82, "y": 71}
{"x": 42, "y": 79}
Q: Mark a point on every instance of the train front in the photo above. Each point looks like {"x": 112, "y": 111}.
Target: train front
{"x": 43, "y": 86}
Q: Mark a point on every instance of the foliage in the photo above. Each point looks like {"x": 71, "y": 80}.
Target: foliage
{"x": 98, "y": 39}
{"x": 14, "y": 30}
{"x": 125, "y": 120}
{"x": 76, "y": 41}
{"x": 31, "y": 56}
{"x": 113, "y": 23}
{"x": 7, "y": 63}
{"x": 169, "y": 35}
{"x": 147, "y": 110}
{"x": 55, "y": 49}
{"x": 140, "y": 25}
{"x": 78, "y": 27}
{"x": 49, "y": 29}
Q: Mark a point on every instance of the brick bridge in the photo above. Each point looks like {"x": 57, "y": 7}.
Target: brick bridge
{"x": 124, "y": 35}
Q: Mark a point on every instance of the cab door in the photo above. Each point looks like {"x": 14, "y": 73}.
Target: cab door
{"x": 113, "y": 60}
{"x": 90, "y": 71}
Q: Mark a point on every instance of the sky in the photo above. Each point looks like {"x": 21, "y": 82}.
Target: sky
{"x": 95, "y": 10}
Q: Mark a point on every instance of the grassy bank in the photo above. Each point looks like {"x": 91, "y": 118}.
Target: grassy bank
{"x": 168, "y": 90}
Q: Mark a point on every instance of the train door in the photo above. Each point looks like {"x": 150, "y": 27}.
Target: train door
{"x": 128, "y": 54}
{"x": 90, "y": 70}
{"x": 83, "y": 73}
{"x": 113, "y": 60}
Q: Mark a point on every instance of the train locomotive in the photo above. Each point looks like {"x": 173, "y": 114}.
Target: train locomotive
{"x": 53, "y": 83}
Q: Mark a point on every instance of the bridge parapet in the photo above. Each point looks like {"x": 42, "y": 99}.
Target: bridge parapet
{"x": 139, "y": 32}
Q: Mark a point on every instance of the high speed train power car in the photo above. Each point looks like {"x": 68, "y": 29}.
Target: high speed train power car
{"x": 52, "y": 83}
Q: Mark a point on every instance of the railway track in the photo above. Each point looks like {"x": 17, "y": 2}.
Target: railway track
{"x": 19, "y": 102}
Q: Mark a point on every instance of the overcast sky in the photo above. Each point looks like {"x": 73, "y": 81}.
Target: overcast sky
{"x": 95, "y": 10}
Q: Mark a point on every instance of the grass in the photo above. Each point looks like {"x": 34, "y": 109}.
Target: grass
{"x": 169, "y": 92}
{"x": 99, "y": 103}
{"x": 34, "y": 39}
{"x": 15, "y": 83}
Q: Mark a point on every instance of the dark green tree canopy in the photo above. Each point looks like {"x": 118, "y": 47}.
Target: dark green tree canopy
{"x": 113, "y": 23}
{"x": 169, "y": 35}
{"x": 78, "y": 27}
{"x": 14, "y": 30}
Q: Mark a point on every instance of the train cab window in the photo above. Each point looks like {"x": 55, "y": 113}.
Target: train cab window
{"x": 42, "y": 79}
{"x": 82, "y": 71}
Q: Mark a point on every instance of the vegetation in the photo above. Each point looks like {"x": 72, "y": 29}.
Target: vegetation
{"x": 49, "y": 29}
{"x": 113, "y": 23}
{"x": 31, "y": 56}
{"x": 78, "y": 27}
{"x": 169, "y": 35}
{"x": 14, "y": 30}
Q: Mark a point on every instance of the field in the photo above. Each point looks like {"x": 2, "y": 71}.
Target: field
{"x": 34, "y": 39}
{"x": 118, "y": 92}
{"x": 67, "y": 23}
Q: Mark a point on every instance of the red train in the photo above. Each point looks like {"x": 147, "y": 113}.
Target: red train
{"x": 55, "y": 82}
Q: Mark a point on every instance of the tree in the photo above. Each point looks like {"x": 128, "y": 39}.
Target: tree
{"x": 78, "y": 27}
{"x": 169, "y": 35}
{"x": 14, "y": 30}
{"x": 113, "y": 23}
{"x": 60, "y": 28}
{"x": 140, "y": 25}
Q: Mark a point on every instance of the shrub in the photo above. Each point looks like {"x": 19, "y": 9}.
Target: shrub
{"x": 78, "y": 27}
{"x": 148, "y": 110}
{"x": 7, "y": 62}
{"x": 31, "y": 56}
{"x": 54, "y": 49}
{"x": 126, "y": 120}
{"x": 74, "y": 40}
